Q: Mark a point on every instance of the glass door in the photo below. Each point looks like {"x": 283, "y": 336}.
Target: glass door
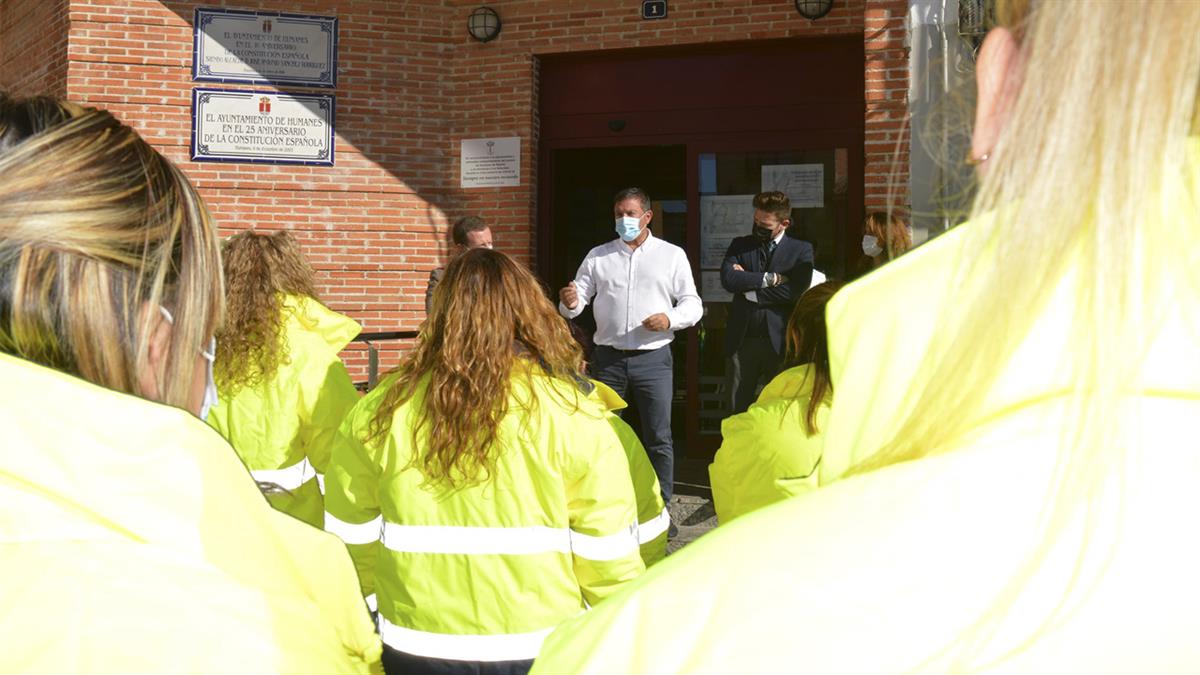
{"x": 584, "y": 183}
{"x": 726, "y": 179}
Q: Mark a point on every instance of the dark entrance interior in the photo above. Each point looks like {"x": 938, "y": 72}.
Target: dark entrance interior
{"x": 701, "y": 129}
{"x": 586, "y": 180}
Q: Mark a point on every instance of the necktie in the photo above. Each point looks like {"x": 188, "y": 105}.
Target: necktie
{"x": 768, "y": 251}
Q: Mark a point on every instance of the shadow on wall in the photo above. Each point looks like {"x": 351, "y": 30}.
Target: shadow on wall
{"x": 377, "y": 221}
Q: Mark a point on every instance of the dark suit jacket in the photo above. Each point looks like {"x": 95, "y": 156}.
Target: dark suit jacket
{"x": 793, "y": 258}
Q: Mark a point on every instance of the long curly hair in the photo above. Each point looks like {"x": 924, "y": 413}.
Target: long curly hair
{"x": 260, "y": 269}
{"x": 489, "y": 315}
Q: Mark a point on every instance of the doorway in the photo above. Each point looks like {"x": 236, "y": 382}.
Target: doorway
{"x": 702, "y": 130}
{"x": 585, "y": 181}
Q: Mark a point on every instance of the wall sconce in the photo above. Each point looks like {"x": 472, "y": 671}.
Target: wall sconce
{"x": 813, "y": 9}
{"x": 484, "y": 24}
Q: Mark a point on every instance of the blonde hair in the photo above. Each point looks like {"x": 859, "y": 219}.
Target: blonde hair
{"x": 489, "y": 314}
{"x": 98, "y": 230}
{"x": 260, "y": 269}
{"x": 1085, "y": 180}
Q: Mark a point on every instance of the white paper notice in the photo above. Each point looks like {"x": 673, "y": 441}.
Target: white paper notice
{"x": 804, "y": 184}
{"x": 491, "y": 162}
{"x": 722, "y": 217}
{"x": 711, "y": 289}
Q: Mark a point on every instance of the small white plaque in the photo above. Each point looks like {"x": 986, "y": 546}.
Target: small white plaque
{"x": 491, "y": 162}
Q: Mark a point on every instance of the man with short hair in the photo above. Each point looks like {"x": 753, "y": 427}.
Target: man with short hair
{"x": 468, "y": 232}
{"x": 642, "y": 291}
{"x": 766, "y": 271}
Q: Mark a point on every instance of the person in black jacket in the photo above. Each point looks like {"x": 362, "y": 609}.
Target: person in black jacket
{"x": 766, "y": 271}
{"x": 468, "y": 232}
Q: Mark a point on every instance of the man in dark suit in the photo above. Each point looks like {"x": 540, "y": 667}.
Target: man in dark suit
{"x": 766, "y": 271}
{"x": 468, "y": 232}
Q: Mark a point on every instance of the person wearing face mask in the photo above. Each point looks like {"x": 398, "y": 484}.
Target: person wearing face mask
{"x": 468, "y": 232}
{"x": 885, "y": 237}
{"x": 642, "y": 291}
{"x": 766, "y": 271}
{"x": 284, "y": 389}
{"x": 1016, "y": 404}
{"x": 210, "y": 356}
{"x": 132, "y": 537}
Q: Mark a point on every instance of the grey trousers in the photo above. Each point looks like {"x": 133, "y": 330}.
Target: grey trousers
{"x": 645, "y": 379}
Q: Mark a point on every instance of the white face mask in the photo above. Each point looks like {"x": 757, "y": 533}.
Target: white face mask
{"x": 629, "y": 227}
{"x": 210, "y": 387}
{"x": 870, "y": 246}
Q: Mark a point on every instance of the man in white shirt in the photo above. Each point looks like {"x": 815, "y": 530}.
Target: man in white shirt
{"x": 642, "y": 291}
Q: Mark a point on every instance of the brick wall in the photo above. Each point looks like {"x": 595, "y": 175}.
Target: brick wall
{"x": 887, "y": 135}
{"x": 412, "y": 83}
{"x": 372, "y": 225}
{"x": 33, "y": 46}
{"x": 495, "y": 83}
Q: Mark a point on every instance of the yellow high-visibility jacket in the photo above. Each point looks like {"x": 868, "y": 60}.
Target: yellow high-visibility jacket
{"x": 483, "y": 573}
{"x": 885, "y": 572}
{"x": 653, "y": 518}
{"x": 283, "y": 427}
{"x": 766, "y": 453}
{"x": 132, "y": 540}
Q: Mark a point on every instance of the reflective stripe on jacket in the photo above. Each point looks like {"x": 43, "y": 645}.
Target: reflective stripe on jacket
{"x": 133, "y": 540}
{"x": 653, "y": 518}
{"x": 283, "y": 427}
{"x": 766, "y": 454}
{"x": 897, "y": 570}
{"x": 484, "y": 572}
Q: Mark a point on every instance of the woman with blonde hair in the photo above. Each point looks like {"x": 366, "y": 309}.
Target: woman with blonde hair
{"x": 133, "y": 539}
{"x": 1015, "y": 409}
{"x": 483, "y": 496}
{"x": 283, "y": 389}
{"x": 771, "y": 452}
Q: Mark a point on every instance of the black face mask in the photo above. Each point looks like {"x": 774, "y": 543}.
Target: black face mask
{"x": 764, "y": 234}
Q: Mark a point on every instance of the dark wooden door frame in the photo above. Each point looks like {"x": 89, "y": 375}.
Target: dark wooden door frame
{"x": 756, "y": 126}
{"x": 696, "y": 144}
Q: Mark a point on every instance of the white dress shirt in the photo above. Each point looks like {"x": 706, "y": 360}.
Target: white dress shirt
{"x": 629, "y": 285}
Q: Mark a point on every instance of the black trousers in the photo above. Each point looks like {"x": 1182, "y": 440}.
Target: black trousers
{"x": 755, "y": 361}
{"x": 399, "y": 663}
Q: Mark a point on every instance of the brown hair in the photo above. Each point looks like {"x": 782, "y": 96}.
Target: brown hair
{"x": 97, "y": 231}
{"x": 633, "y": 193}
{"x": 891, "y": 232}
{"x": 259, "y": 270}
{"x": 488, "y": 314}
{"x": 774, "y": 203}
{"x": 464, "y": 226}
{"x": 807, "y": 343}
